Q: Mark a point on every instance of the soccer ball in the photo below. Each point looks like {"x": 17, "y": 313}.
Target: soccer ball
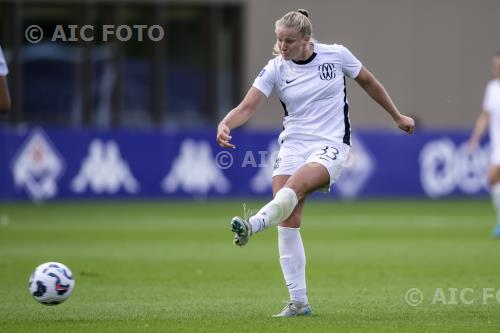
{"x": 51, "y": 283}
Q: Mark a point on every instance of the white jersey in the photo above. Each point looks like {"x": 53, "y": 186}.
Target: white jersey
{"x": 313, "y": 93}
{"x": 3, "y": 65}
{"x": 491, "y": 104}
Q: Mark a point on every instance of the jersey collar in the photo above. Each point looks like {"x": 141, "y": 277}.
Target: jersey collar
{"x": 304, "y": 62}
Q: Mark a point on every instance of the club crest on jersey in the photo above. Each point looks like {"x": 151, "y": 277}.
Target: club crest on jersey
{"x": 327, "y": 71}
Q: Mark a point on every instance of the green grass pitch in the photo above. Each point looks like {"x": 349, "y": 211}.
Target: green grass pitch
{"x": 172, "y": 267}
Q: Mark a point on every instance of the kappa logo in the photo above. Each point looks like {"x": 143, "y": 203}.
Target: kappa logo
{"x": 194, "y": 171}
{"x": 104, "y": 170}
{"x": 327, "y": 71}
{"x": 38, "y": 166}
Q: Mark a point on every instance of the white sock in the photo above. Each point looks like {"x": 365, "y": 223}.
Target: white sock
{"x": 276, "y": 211}
{"x": 495, "y": 196}
{"x": 293, "y": 262}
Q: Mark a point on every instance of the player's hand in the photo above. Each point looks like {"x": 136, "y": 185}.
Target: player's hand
{"x": 223, "y": 137}
{"x": 406, "y": 124}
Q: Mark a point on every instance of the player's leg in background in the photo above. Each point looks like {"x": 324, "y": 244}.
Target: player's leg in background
{"x": 494, "y": 180}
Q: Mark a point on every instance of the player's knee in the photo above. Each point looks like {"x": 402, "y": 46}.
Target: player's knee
{"x": 298, "y": 187}
{"x": 293, "y": 221}
{"x": 494, "y": 176}
{"x": 5, "y": 105}
{"x": 494, "y": 179}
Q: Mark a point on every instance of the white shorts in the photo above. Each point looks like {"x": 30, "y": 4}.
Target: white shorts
{"x": 495, "y": 158}
{"x": 495, "y": 153}
{"x": 293, "y": 154}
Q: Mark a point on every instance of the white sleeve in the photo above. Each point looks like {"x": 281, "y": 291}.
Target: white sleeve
{"x": 3, "y": 65}
{"x": 487, "y": 98}
{"x": 266, "y": 79}
{"x": 351, "y": 66}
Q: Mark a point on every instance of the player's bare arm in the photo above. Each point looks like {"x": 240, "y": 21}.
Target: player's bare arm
{"x": 378, "y": 93}
{"x": 4, "y": 95}
{"x": 479, "y": 129}
{"x": 239, "y": 116}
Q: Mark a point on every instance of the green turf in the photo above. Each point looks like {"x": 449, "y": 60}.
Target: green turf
{"x": 160, "y": 267}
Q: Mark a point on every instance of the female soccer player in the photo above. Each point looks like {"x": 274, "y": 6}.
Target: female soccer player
{"x": 4, "y": 90}
{"x": 491, "y": 115}
{"x": 309, "y": 78}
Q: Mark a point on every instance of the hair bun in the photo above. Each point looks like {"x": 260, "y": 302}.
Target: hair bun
{"x": 303, "y": 12}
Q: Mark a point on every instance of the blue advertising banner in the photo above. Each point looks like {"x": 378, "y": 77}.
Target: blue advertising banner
{"x": 46, "y": 164}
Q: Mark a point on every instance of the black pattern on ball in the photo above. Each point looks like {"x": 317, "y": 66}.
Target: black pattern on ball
{"x": 41, "y": 289}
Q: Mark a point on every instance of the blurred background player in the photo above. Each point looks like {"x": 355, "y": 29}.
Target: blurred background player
{"x": 491, "y": 116}
{"x": 309, "y": 78}
{"x": 4, "y": 90}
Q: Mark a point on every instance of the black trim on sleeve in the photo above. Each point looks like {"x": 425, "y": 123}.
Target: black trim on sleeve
{"x": 347, "y": 124}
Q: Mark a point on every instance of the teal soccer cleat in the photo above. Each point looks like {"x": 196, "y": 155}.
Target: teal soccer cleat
{"x": 242, "y": 230}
